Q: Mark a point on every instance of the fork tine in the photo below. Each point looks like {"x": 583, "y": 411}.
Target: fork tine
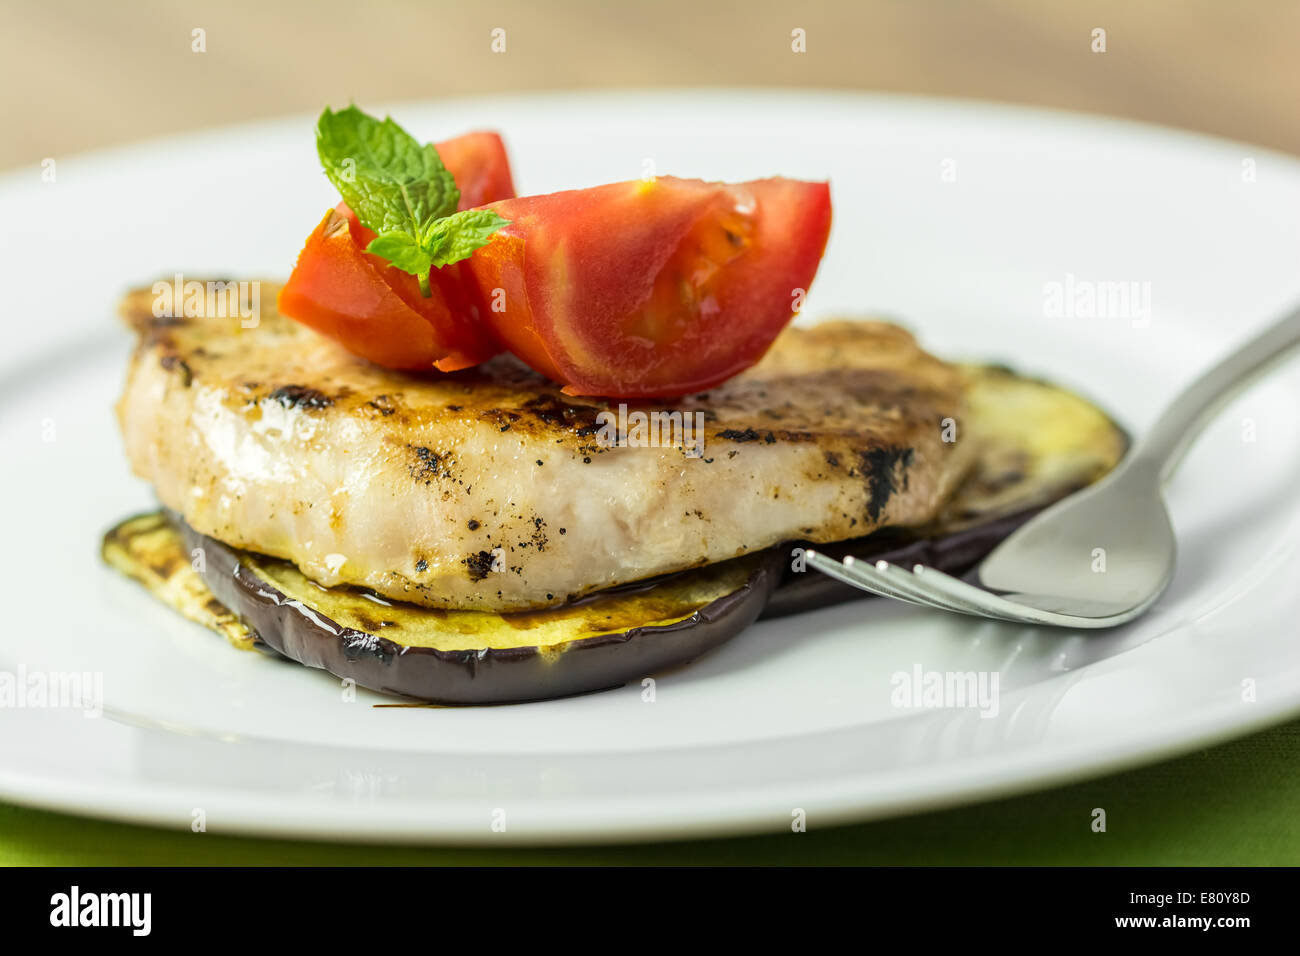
{"x": 872, "y": 577}
{"x": 869, "y": 576}
{"x": 929, "y": 587}
{"x": 982, "y": 602}
{"x": 922, "y": 586}
{"x": 908, "y": 583}
{"x": 850, "y": 573}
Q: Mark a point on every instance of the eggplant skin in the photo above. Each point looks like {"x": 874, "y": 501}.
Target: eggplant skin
{"x": 490, "y": 675}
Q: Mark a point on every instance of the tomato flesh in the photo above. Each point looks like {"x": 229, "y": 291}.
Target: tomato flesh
{"x": 650, "y": 289}
{"x": 376, "y": 310}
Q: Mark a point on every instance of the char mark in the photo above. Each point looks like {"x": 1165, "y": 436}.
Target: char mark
{"x": 747, "y": 435}
{"x": 429, "y": 465}
{"x": 881, "y": 467}
{"x": 177, "y": 364}
{"x": 479, "y": 565}
{"x": 300, "y": 396}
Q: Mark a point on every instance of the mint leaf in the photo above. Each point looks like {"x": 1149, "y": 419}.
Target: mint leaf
{"x": 402, "y": 250}
{"x": 402, "y": 191}
{"x": 459, "y": 235}
{"x": 387, "y": 178}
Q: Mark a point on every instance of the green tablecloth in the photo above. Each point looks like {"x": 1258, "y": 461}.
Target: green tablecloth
{"x": 1238, "y": 803}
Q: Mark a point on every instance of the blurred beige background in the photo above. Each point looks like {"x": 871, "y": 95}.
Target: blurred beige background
{"x": 85, "y": 73}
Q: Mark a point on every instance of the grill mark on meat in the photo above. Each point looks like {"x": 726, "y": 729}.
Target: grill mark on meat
{"x": 855, "y": 449}
{"x": 429, "y": 464}
{"x": 301, "y": 396}
{"x": 175, "y": 363}
{"x": 552, "y": 412}
{"x": 880, "y": 466}
{"x": 479, "y": 565}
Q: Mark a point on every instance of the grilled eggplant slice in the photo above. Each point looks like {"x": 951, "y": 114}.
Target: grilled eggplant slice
{"x": 147, "y": 549}
{"x": 1038, "y": 443}
{"x": 451, "y": 657}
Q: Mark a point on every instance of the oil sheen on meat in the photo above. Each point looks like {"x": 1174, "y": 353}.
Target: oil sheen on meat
{"x": 490, "y": 489}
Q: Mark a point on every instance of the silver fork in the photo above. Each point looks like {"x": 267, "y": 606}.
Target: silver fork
{"x": 1102, "y": 556}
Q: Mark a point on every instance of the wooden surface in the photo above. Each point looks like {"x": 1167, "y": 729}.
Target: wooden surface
{"x": 85, "y": 73}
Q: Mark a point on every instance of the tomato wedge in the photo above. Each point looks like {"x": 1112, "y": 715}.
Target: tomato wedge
{"x": 478, "y": 163}
{"x": 375, "y": 310}
{"x": 650, "y": 289}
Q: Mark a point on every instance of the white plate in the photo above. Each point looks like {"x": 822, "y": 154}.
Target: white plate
{"x": 795, "y": 713}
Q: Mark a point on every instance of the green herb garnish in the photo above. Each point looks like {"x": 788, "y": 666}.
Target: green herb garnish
{"x": 400, "y": 190}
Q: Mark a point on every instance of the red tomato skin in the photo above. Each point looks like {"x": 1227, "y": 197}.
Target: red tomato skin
{"x": 337, "y": 290}
{"x": 479, "y": 164}
{"x": 502, "y": 294}
{"x": 451, "y": 308}
{"x": 377, "y": 311}
{"x": 571, "y": 273}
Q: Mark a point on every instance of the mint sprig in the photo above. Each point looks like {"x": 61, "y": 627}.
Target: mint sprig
{"x": 402, "y": 191}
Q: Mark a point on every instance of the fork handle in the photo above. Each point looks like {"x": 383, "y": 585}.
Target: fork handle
{"x": 1169, "y": 439}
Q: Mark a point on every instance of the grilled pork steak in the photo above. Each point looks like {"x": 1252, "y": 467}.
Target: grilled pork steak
{"x": 491, "y": 489}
